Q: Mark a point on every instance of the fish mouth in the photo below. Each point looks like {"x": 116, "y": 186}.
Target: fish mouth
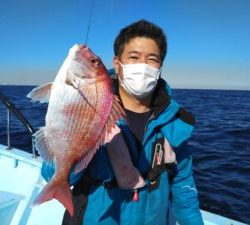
{"x": 84, "y": 47}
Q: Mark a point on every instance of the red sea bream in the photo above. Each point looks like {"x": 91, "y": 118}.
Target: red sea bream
{"x": 82, "y": 111}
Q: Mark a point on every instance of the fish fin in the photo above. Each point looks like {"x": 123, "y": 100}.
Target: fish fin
{"x": 116, "y": 113}
{"x": 41, "y": 93}
{"x": 42, "y": 146}
{"x": 84, "y": 161}
{"x": 117, "y": 110}
{"x": 55, "y": 190}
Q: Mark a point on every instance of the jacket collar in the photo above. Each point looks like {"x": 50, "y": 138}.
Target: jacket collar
{"x": 161, "y": 97}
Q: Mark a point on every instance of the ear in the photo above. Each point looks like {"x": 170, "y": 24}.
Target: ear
{"x": 116, "y": 64}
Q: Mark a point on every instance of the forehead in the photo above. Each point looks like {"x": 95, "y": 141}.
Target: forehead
{"x": 141, "y": 45}
{"x": 86, "y": 53}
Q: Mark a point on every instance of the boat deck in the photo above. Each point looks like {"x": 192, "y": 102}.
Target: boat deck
{"x": 20, "y": 182}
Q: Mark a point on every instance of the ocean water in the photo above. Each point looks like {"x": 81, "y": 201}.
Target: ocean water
{"x": 220, "y": 143}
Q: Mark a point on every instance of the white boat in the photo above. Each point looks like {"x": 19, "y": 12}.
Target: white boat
{"x": 21, "y": 181}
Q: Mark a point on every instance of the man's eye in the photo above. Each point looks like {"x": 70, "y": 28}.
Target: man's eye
{"x": 133, "y": 57}
{"x": 154, "y": 59}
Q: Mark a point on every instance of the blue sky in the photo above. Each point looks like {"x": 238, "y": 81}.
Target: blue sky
{"x": 208, "y": 40}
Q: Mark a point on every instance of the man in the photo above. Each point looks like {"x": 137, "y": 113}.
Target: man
{"x": 156, "y": 131}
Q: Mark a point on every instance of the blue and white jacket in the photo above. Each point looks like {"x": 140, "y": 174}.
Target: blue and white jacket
{"x": 115, "y": 206}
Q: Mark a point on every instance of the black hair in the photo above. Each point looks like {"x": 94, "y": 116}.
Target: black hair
{"x": 141, "y": 28}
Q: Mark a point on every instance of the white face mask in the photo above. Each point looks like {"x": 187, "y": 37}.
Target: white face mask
{"x": 139, "y": 79}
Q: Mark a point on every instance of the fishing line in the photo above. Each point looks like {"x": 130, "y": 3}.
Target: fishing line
{"x": 90, "y": 20}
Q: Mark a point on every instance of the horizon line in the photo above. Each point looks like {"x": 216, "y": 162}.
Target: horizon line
{"x": 172, "y": 87}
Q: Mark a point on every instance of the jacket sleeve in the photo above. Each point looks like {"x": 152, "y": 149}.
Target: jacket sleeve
{"x": 48, "y": 171}
{"x": 184, "y": 194}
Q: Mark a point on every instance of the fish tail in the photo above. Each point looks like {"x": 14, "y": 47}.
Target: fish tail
{"x": 55, "y": 190}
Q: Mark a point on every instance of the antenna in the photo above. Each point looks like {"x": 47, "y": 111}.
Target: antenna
{"x": 90, "y": 20}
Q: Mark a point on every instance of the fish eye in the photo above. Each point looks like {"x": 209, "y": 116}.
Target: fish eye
{"x": 93, "y": 60}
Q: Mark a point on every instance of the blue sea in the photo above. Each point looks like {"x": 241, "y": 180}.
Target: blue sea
{"x": 220, "y": 143}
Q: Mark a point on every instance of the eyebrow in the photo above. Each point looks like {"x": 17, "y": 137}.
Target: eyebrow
{"x": 132, "y": 52}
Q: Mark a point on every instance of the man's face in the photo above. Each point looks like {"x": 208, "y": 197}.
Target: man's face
{"x": 138, "y": 50}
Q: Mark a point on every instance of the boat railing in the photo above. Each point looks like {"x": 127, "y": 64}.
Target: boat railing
{"x": 11, "y": 108}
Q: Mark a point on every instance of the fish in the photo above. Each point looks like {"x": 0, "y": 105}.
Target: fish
{"x": 82, "y": 111}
